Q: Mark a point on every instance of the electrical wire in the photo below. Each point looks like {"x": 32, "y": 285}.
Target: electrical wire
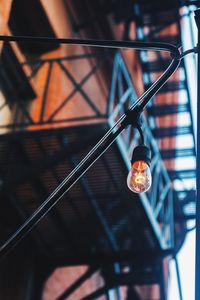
{"x": 155, "y": 46}
{"x": 193, "y": 50}
{"x": 106, "y": 141}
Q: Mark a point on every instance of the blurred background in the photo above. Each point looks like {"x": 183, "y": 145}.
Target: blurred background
{"x": 56, "y": 101}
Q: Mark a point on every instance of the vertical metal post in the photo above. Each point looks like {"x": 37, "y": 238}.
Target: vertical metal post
{"x": 197, "y": 266}
{"x": 163, "y": 291}
{"x": 178, "y": 278}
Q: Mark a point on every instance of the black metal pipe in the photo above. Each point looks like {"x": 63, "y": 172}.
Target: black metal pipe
{"x": 178, "y": 278}
{"x": 155, "y": 46}
{"x": 197, "y": 262}
{"x": 98, "y": 293}
{"x": 98, "y": 149}
{"x": 59, "y": 192}
{"x": 76, "y": 284}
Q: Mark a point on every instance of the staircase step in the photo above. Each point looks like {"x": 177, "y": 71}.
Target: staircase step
{"x": 163, "y": 110}
{"x": 190, "y": 197}
{"x": 159, "y": 65}
{"x": 173, "y": 153}
{"x": 172, "y": 131}
{"x": 171, "y": 39}
{"x": 170, "y": 86}
{"x": 182, "y": 174}
{"x": 159, "y": 6}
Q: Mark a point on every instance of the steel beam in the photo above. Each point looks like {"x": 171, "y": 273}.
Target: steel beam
{"x": 197, "y": 274}
{"x": 76, "y": 284}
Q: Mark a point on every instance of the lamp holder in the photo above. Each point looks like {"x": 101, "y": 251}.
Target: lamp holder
{"x": 133, "y": 117}
{"x": 143, "y": 153}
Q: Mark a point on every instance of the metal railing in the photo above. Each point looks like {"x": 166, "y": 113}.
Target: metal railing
{"x": 21, "y": 113}
{"x": 158, "y": 202}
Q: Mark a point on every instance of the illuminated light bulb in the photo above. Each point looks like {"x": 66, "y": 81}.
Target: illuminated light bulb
{"x": 139, "y": 178}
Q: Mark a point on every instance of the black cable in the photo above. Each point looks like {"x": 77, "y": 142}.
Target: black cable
{"x": 141, "y": 134}
{"x": 155, "y": 46}
{"x": 193, "y": 50}
{"x": 100, "y": 147}
{"x": 178, "y": 278}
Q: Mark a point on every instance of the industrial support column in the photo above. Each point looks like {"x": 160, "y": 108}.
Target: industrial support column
{"x": 197, "y": 266}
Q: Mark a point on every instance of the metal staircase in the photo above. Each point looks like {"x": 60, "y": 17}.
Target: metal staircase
{"x": 95, "y": 223}
{"x": 169, "y": 115}
{"x": 99, "y": 221}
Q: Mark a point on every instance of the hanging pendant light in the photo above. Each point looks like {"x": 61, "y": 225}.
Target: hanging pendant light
{"x": 139, "y": 178}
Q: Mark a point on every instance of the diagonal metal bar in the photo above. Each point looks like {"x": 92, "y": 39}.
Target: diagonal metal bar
{"x": 66, "y": 100}
{"x": 71, "y": 289}
{"x": 96, "y": 294}
{"x": 79, "y": 89}
{"x": 155, "y": 46}
{"x": 35, "y": 70}
{"x": 97, "y": 151}
{"x": 46, "y": 89}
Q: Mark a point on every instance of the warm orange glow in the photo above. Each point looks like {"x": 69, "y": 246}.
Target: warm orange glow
{"x": 140, "y": 165}
{"x": 139, "y": 178}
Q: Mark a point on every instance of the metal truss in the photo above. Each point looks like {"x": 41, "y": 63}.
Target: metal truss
{"x": 114, "y": 278}
{"x": 109, "y": 137}
{"x": 158, "y": 202}
{"x": 156, "y": 21}
{"x": 23, "y": 118}
{"x": 158, "y": 205}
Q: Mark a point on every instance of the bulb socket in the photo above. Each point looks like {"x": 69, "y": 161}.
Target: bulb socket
{"x": 143, "y": 153}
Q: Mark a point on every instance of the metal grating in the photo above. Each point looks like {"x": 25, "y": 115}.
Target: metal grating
{"x": 99, "y": 216}
{"x": 158, "y": 20}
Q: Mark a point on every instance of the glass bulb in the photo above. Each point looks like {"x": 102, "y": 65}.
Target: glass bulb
{"x": 139, "y": 177}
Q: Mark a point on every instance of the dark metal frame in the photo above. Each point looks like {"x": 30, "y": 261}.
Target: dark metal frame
{"x": 157, "y": 111}
{"x": 108, "y": 138}
{"x": 22, "y": 117}
{"x": 114, "y": 278}
{"x": 178, "y": 277}
{"x": 77, "y": 283}
{"x": 197, "y": 269}
{"x": 158, "y": 202}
